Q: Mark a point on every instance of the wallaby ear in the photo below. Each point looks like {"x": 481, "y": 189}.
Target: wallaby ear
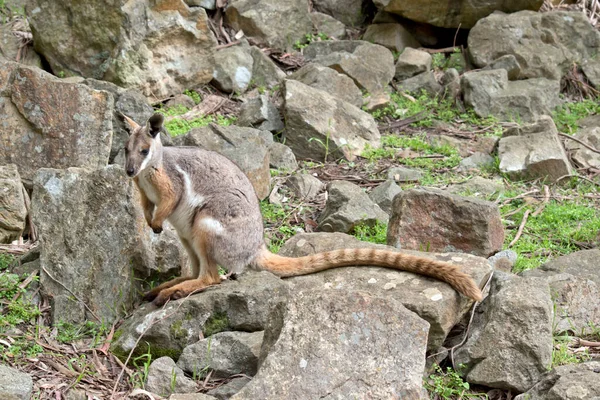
{"x": 155, "y": 124}
{"x": 131, "y": 124}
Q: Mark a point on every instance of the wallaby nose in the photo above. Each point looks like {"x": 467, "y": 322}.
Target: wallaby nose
{"x": 130, "y": 171}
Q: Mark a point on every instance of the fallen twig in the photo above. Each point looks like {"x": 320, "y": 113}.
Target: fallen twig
{"x": 581, "y": 142}
{"x": 544, "y": 202}
{"x": 520, "y": 231}
{"x": 578, "y": 177}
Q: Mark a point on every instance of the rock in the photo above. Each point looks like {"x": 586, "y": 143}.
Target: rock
{"x": 349, "y": 12}
{"x": 348, "y": 206}
{"x": 477, "y": 187}
{"x": 433, "y": 300}
{"x": 159, "y": 48}
{"x": 282, "y": 157}
{"x": 165, "y": 377}
{"x": 582, "y": 156}
{"x": 208, "y": 4}
{"x": 573, "y": 382}
{"x": 506, "y": 62}
{"x": 591, "y": 69}
{"x": 179, "y": 100}
{"x": 130, "y": 102}
{"x": 11, "y": 47}
{"x": 490, "y": 93}
{"x": 574, "y": 282}
{"x": 504, "y": 260}
{"x": 227, "y": 390}
{"x": 452, "y": 14}
{"x": 330, "y": 81}
{"x": 270, "y": 22}
{"x": 13, "y": 213}
{"x": 224, "y": 353}
{"x": 591, "y": 121}
{"x": 323, "y": 342}
{"x": 401, "y": 174}
{"x": 444, "y": 222}
{"x": 377, "y": 101}
{"x": 243, "y": 304}
{"x": 233, "y": 69}
{"x": 328, "y": 25}
{"x": 476, "y": 161}
{"x": 50, "y": 123}
{"x": 191, "y": 396}
{"x": 101, "y": 257}
{"x": 451, "y": 83}
{"x": 391, "y": 35}
{"x": 319, "y": 126}
{"x": 247, "y": 147}
{"x": 517, "y": 318}
{"x": 305, "y": 186}
{"x": 15, "y": 384}
{"x": 545, "y": 44}
{"x": 412, "y": 62}
{"x": 425, "y": 81}
{"x": 533, "y": 151}
{"x": 384, "y": 194}
{"x": 265, "y": 72}
{"x": 260, "y": 113}
{"x": 371, "y": 66}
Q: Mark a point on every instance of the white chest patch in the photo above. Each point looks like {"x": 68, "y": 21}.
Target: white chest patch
{"x": 148, "y": 188}
{"x": 212, "y": 225}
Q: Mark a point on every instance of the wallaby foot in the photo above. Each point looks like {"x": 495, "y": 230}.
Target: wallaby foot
{"x": 182, "y": 290}
{"x": 151, "y": 295}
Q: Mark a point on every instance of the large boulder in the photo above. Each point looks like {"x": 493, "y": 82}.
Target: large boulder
{"x": 516, "y": 318}
{"x": 371, "y": 66}
{"x": 350, "y": 12}
{"x": 159, "y": 47}
{"x": 439, "y": 221}
{"x": 243, "y": 304}
{"x": 96, "y": 247}
{"x": 545, "y": 44}
{"x": 165, "y": 377}
{"x": 13, "y": 212}
{"x": 348, "y": 206}
{"x": 247, "y": 147}
{"x": 233, "y": 69}
{"x": 433, "y": 300}
{"x": 572, "y": 382}
{"x": 340, "y": 344}
{"x": 14, "y": 384}
{"x": 491, "y": 93}
{"x": 272, "y": 23}
{"x": 11, "y": 45}
{"x": 574, "y": 282}
{"x": 50, "y": 123}
{"x": 391, "y": 35}
{"x": 453, "y": 14}
{"x": 330, "y": 81}
{"x": 319, "y": 126}
{"x": 533, "y": 151}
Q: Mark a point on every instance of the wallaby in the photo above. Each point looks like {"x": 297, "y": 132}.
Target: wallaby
{"x": 215, "y": 210}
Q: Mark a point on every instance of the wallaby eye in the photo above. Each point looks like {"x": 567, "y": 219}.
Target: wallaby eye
{"x": 144, "y": 152}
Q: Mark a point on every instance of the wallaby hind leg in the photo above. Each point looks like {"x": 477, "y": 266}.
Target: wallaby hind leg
{"x": 195, "y": 272}
{"x": 209, "y": 275}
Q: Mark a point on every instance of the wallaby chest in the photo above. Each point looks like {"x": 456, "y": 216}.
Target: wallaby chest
{"x": 146, "y": 183}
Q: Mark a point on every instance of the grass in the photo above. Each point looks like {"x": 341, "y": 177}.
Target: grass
{"x": 562, "y": 354}
{"x": 567, "y": 115}
{"x": 277, "y": 226}
{"x": 560, "y": 229}
{"x": 180, "y": 126}
{"x": 449, "y": 385}
{"x": 309, "y": 38}
{"x": 373, "y": 234}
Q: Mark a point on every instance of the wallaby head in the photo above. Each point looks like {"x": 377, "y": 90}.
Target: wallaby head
{"x": 143, "y": 148}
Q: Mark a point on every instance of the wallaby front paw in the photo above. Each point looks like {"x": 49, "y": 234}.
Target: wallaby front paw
{"x": 157, "y": 229}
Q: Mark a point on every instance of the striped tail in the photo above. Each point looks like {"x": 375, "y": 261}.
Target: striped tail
{"x": 451, "y": 274}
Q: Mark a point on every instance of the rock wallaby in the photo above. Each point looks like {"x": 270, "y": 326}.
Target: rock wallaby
{"x": 213, "y": 206}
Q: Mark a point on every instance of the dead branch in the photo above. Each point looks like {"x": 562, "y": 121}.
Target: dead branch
{"x": 581, "y": 142}
{"x": 520, "y": 231}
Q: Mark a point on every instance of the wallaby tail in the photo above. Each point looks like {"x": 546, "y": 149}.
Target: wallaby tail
{"x": 451, "y": 274}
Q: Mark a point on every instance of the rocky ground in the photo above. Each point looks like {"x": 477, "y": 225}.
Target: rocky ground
{"x": 479, "y": 146}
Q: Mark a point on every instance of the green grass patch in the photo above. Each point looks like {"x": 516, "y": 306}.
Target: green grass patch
{"x": 193, "y": 95}
{"x": 309, "y": 38}
{"x": 277, "y": 226}
{"x": 69, "y": 333}
{"x": 567, "y": 115}
{"x": 373, "y": 234}
{"x": 449, "y": 385}
{"x": 392, "y": 146}
{"x": 562, "y": 354}
{"x": 558, "y": 230}
{"x": 180, "y": 126}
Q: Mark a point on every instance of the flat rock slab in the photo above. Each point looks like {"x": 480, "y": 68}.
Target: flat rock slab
{"x": 511, "y": 340}
{"x": 438, "y": 221}
{"x": 533, "y": 151}
{"x": 48, "y": 123}
{"x": 243, "y": 304}
{"x": 341, "y": 345}
{"x": 435, "y": 301}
